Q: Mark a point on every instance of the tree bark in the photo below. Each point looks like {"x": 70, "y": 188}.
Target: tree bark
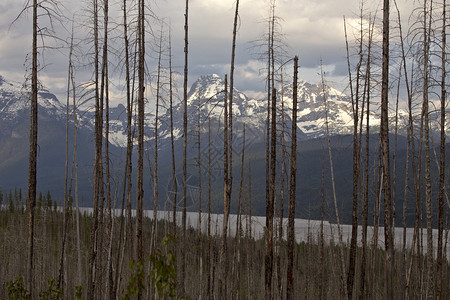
{"x": 97, "y": 166}
{"x": 356, "y": 152}
{"x": 140, "y": 162}
{"x": 174, "y": 174}
{"x": 292, "y": 188}
{"x": 384, "y": 134}
{"x": 226, "y": 199}
{"x": 183, "y": 257}
{"x": 440, "y": 255}
{"x": 365, "y": 203}
{"x": 209, "y": 291}
{"x": 425, "y": 108}
{"x": 66, "y": 171}
{"x": 32, "y": 151}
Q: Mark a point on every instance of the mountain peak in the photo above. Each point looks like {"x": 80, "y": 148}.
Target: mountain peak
{"x": 206, "y": 87}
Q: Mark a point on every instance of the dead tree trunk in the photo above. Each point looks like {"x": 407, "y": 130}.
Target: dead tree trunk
{"x": 384, "y": 135}
{"x": 356, "y": 152}
{"x": 282, "y": 185}
{"x": 66, "y": 171}
{"x": 141, "y": 117}
{"x": 365, "y": 203}
{"x": 32, "y": 152}
{"x": 230, "y": 103}
{"x": 97, "y": 166}
{"x": 155, "y": 171}
{"x": 174, "y": 174}
{"x": 425, "y": 108}
{"x": 226, "y": 202}
{"x": 270, "y": 205}
{"x": 333, "y": 185}
{"x": 183, "y": 257}
{"x": 237, "y": 248}
{"x": 292, "y": 189}
{"x": 209, "y": 291}
{"x": 440, "y": 255}
{"x": 75, "y": 166}
{"x": 199, "y": 199}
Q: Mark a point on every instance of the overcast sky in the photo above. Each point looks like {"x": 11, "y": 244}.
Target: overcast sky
{"x": 313, "y": 30}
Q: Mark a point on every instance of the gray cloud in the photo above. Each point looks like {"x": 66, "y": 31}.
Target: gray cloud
{"x": 313, "y": 30}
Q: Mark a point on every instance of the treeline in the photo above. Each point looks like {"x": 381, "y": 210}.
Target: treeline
{"x": 316, "y": 262}
{"x": 14, "y": 200}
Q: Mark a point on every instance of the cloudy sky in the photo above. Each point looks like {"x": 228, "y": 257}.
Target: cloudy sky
{"x": 313, "y": 30}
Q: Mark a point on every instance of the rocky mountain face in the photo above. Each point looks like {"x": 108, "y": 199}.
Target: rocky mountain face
{"x": 205, "y": 118}
{"x": 205, "y": 101}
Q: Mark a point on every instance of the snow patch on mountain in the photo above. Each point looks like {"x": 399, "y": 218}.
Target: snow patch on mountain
{"x": 15, "y": 98}
{"x": 206, "y": 102}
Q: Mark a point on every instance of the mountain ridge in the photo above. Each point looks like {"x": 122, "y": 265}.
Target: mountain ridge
{"x": 205, "y": 100}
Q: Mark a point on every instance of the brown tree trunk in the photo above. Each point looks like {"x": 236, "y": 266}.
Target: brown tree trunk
{"x": 282, "y": 185}
{"x": 440, "y": 255}
{"x": 209, "y": 290}
{"x": 66, "y": 171}
{"x": 155, "y": 166}
{"x": 140, "y": 162}
{"x": 75, "y": 163}
{"x": 97, "y": 166}
{"x": 270, "y": 205}
{"x": 237, "y": 248}
{"x": 174, "y": 174}
{"x": 292, "y": 189}
{"x": 199, "y": 199}
{"x": 108, "y": 231}
{"x": 230, "y": 103}
{"x": 365, "y": 202}
{"x": 425, "y": 108}
{"x": 185, "y": 81}
{"x": 333, "y": 185}
{"x": 249, "y": 235}
{"x": 226, "y": 202}
{"x": 356, "y": 152}
{"x": 32, "y": 152}
{"x": 128, "y": 165}
{"x": 384, "y": 135}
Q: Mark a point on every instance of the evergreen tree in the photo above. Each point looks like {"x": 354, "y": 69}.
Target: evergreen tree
{"x": 49, "y": 200}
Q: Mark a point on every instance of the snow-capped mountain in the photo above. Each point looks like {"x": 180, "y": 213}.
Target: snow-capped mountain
{"x": 205, "y": 102}
{"x": 14, "y": 99}
{"x": 205, "y": 110}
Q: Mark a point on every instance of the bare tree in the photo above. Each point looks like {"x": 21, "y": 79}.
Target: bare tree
{"x": 155, "y": 164}
{"x": 183, "y": 258}
{"x": 268, "y": 260}
{"x": 237, "y": 245}
{"x": 365, "y": 202}
{"x": 98, "y": 162}
{"x": 126, "y": 193}
{"x": 226, "y": 199}
{"x": 292, "y": 188}
{"x": 209, "y": 290}
{"x": 174, "y": 174}
{"x": 356, "y": 153}
{"x": 333, "y": 185}
{"x": 32, "y": 150}
{"x": 66, "y": 170}
{"x": 230, "y": 102}
{"x": 440, "y": 255}
{"x": 384, "y": 135}
{"x": 141, "y": 108}
{"x": 425, "y": 111}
